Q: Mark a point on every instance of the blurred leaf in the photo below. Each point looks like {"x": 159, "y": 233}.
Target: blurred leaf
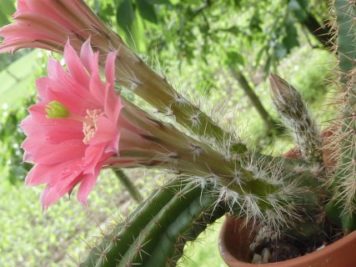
{"x": 279, "y": 51}
{"x": 130, "y": 23}
{"x": 259, "y": 55}
{"x": 255, "y": 22}
{"x": 233, "y": 29}
{"x": 290, "y": 40}
{"x": 298, "y": 8}
{"x": 105, "y": 12}
{"x": 3, "y": 19}
{"x": 237, "y": 3}
{"x": 138, "y": 33}
{"x": 159, "y": 2}
{"x": 147, "y": 10}
{"x": 303, "y": 4}
{"x": 268, "y": 64}
{"x": 125, "y": 16}
{"x": 233, "y": 58}
{"x": 7, "y": 8}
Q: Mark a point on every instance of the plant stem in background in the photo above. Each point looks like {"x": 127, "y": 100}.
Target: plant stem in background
{"x": 271, "y": 124}
{"x": 129, "y": 185}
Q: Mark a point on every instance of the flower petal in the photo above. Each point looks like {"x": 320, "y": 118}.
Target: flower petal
{"x": 75, "y": 66}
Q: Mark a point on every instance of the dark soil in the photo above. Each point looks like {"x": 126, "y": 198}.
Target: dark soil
{"x": 266, "y": 247}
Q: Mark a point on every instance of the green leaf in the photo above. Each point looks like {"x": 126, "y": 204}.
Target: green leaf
{"x": 125, "y": 16}
{"x": 138, "y": 33}
{"x": 237, "y": 3}
{"x": 147, "y": 10}
{"x": 260, "y": 53}
{"x": 233, "y": 29}
{"x": 130, "y": 24}
{"x": 233, "y": 58}
{"x": 290, "y": 40}
{"x": 279, "y": 51}
{"x": 3, "y": 19}
{"x": 298, "y": 8}
{"x": 7, "y": 8}
{"x": 159, "y": 2}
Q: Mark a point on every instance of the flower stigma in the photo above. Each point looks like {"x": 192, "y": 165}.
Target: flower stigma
{"x": 56, "y": 110}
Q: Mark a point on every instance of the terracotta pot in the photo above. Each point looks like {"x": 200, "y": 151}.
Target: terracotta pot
{"x": 234, "y": 248}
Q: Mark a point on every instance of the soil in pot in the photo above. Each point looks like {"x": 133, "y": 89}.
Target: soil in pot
{"x": 264, "y": 247}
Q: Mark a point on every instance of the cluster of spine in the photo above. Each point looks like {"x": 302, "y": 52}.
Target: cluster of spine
{"x": 344, "y": 180}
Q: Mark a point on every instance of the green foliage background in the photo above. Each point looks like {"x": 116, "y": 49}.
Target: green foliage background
{"x": 194, "y": 43}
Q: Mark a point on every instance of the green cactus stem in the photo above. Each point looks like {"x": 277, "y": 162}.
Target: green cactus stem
{"x": 241, "y": 179}
{"x": 155, "y": 89}
{"x": 195, "y": 158}
{"x": 173, "y": 215}
{"x": 343, "y": 203}
{"x": 155, "y": 234}
{"x": 346, "y": 34}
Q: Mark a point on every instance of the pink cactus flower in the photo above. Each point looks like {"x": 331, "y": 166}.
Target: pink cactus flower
{"x": 49, "y": 23}
{"x": 73, "y": 130}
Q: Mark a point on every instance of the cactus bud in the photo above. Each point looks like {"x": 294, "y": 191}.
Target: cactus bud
{"x": 295, "y": 115}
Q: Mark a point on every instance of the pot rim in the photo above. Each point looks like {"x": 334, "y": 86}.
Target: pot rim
{"x": 318, "y": 254}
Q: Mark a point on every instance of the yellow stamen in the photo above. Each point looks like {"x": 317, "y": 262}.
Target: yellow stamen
{"x": 90, "y": 125}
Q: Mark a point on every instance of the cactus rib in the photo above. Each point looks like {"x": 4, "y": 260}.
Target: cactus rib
{"x": 176, "y": 209}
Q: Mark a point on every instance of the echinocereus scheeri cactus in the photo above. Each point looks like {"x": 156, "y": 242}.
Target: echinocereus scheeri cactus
{"x": 107, "y": 130}
{"x": 48, "y": 25}
{"x": 77, "y": 110}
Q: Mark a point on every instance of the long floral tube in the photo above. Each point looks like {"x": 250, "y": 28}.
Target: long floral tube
{"x": 47, "y": 24}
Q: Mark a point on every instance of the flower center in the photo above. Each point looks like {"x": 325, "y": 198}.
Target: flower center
{"x": 90, "y": 124}
{"x": 56, "y": 110}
